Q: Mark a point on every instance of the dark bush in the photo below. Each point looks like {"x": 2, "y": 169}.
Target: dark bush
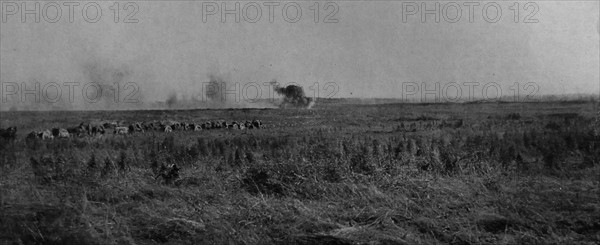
{"x": 513, "y": 116}
{"x": 260, "y": 181}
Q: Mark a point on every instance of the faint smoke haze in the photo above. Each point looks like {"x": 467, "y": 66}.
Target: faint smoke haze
{"x": 170, "y": 54}
{"x": 216, "y": 92}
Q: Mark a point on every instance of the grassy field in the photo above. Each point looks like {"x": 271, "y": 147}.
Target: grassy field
{"x": 487, "y": 173}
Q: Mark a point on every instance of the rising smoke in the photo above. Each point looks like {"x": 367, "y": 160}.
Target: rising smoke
{"x": 216, "y": 93}
{"x": 110, "y": 80}
{"x": 293, "y": 96}
{"x": 111, "y": 91}
{"x": 214, "y": 89}
{"x": 172, "y": 100}
{"x": 91, "y": 85}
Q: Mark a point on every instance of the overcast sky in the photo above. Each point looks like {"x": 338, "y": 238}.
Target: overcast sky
{"x": 369, "y": 52}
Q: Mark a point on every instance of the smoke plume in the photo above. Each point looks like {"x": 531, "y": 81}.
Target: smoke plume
{"x": 293, "y": 96}
{"x": 109, "y": 78}
{"x": 213, "y": 90}
{"x": 216, "y": 93}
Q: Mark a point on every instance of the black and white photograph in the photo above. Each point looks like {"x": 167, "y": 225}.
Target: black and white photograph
{"x": 346, "y": 122}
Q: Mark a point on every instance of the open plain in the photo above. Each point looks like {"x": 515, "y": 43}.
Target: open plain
{"x": 340, "y": 173}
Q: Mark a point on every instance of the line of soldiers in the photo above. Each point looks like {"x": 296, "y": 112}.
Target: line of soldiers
{"x": 170, "y": 126}
{"x": 101, "y": 128}
{"x": 82, "y": 129}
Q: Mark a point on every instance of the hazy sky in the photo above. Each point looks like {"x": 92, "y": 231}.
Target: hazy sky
{"x": 369, "y": 52}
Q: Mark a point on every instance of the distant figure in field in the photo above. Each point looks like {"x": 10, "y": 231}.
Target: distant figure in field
{"x": 79, "y": 131}
{"x": 93, "y": 128}
{"x": 121, "y": 130}
{"x": 135, "y": 127}
{"x": 46, "y": 135}
{"x": 60, "y": 133}
{"x": 166, "y": 129}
